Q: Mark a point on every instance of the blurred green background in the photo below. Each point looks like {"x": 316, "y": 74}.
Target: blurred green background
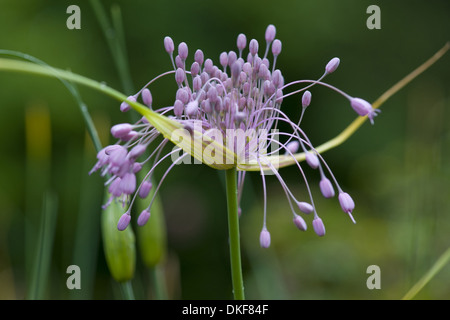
{"x": 397, "y": 171}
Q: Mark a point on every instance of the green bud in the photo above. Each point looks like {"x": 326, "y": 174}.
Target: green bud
{"x": 152, "y": 236}
{"x": 119, "y": 246}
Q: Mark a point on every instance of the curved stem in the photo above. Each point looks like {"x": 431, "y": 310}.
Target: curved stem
{"x": 233, "y": 228}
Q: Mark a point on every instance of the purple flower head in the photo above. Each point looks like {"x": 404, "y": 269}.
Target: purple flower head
{"x": 224, "y": 116}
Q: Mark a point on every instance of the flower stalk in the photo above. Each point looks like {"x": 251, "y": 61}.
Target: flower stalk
{"x": 233, "y": 230}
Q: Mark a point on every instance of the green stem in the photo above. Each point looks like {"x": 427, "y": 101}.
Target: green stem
{"x": 158, "y": 276}
{"x": 127, "y": 290}
{"x": 233, "y": 227}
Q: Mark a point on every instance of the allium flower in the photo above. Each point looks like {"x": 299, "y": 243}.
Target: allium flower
{"x": 225, "y": 116}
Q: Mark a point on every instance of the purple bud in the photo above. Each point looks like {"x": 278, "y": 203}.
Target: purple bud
{"x": 347, "y": 204}
{"x": 182, "y": 95}
{"x": 326, "y": 187}
{"x": 312, "y": 160}
{"x": 305, "y": 207}
{"x": 137, "y": 167}
{"x": 206, "y": 106}
{"x": 208, "y": 66}
{"x": 198, "y": 56}
{"x": 178, "y": 108}
{"x": 118, "y": 156}
{"x": 130, "y": 136}
{"x": 114, "y": 188}
{"x": 195, "y": 69}
{"x": 241, "y": 42}
{"x": 143, "y": 218}
{"x": 192, "y": 108}
{"x": 147, "y": 97}
{"x": 178, "y": 62}
{"x": 168, "y": 45}
{"x": 145, "y": 188}
{"x": 232, "y": 57}
{"x": 363, "y": 108}
{"x": 179, "y": 76}
{"x": 276, "y": 47}
{"x": 136, "y": 152}
{"x": 197, "y": 83}
{"x": 121, "y": 130}
{"x": 277, "y": 79}
{"x": 240, "y": 116}
{"x": 279, "y": 96}
{"x": 236, "y": 69}
{"x": 124, "y": 106}
{"x": 319, "y": 227}
{"x": 306, "y": 99}
{"x": 300, "y": 223}
{"x": 270, "y": 33}
{"x": 253, "y": 47}
{"x": 128, "y": 183}
{"x": 183, "y": 51}
{"x": 332, "y": 65}
{"x": 264, "y": 238}
{"x": 124, "y": 221}
{"x": 223, "y": 59}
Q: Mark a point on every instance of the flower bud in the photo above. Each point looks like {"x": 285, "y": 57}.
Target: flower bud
{"x": 264, "y": 238}
{"x": 332, "y": 65}
{"x": 119, "y": 246}
{"x": 306, "y": 99}
{"x": 312, "y": 160}
{"x": 293, "y": 146}
{"x": 300, "y": 223}
{"x": 305, "y": 207}
{"x": 168, "y": 45}
{"x": 326, "y": 187}
{"x": 151, "y": 236}
{"x": 147, "y": 97}
{"x": 270, "y": 33}
{"x": 319, "y": 227}
{"x": 183, "y": 51}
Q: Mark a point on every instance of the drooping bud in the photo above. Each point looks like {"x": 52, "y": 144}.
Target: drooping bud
{"x": 124, "y": 106}
{"x": 326, "y": 187}
{"x": 128, "y": 183}
{"x": 312, "y": 160}
{"x": 137, "y": 151}
{"x": 264, "y": 238}
{"x": 293, "y": 146}
{"x": 332, "y": 65}
{"x": 319, "y": 227}
{"x": 143, "y": 217}
{"x": 145, "y": 188}
{"x": 300, "y": 223}
{"x": 347, "y": 204}
{"x": 363, "y": 108}
{"x": 121, "y": 130}
{"x": 124, "y": 221}
{"x": 192, "y": 108}
{"x": 305, "y": 207}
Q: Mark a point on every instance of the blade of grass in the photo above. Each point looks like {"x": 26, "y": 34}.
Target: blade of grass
{"x": 41, "y": 267}
{"x": 438, "y": 265}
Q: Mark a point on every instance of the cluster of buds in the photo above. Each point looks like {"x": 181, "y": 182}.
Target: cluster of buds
{"x": 229, "y": 113}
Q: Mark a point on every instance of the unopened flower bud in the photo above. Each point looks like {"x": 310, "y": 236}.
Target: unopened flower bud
{"x": 270, "y": 33}
{"x": 300, "y": 223}
{"x": 264, "y": 238}
{"x": 306, "y": 99}
{"x": 168, "y": 45}
{"x": 319, "y": 227}
{"x": 332, "y": 65}
{"x": 143, "y": 217}
{"x": 326, "y": 187}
